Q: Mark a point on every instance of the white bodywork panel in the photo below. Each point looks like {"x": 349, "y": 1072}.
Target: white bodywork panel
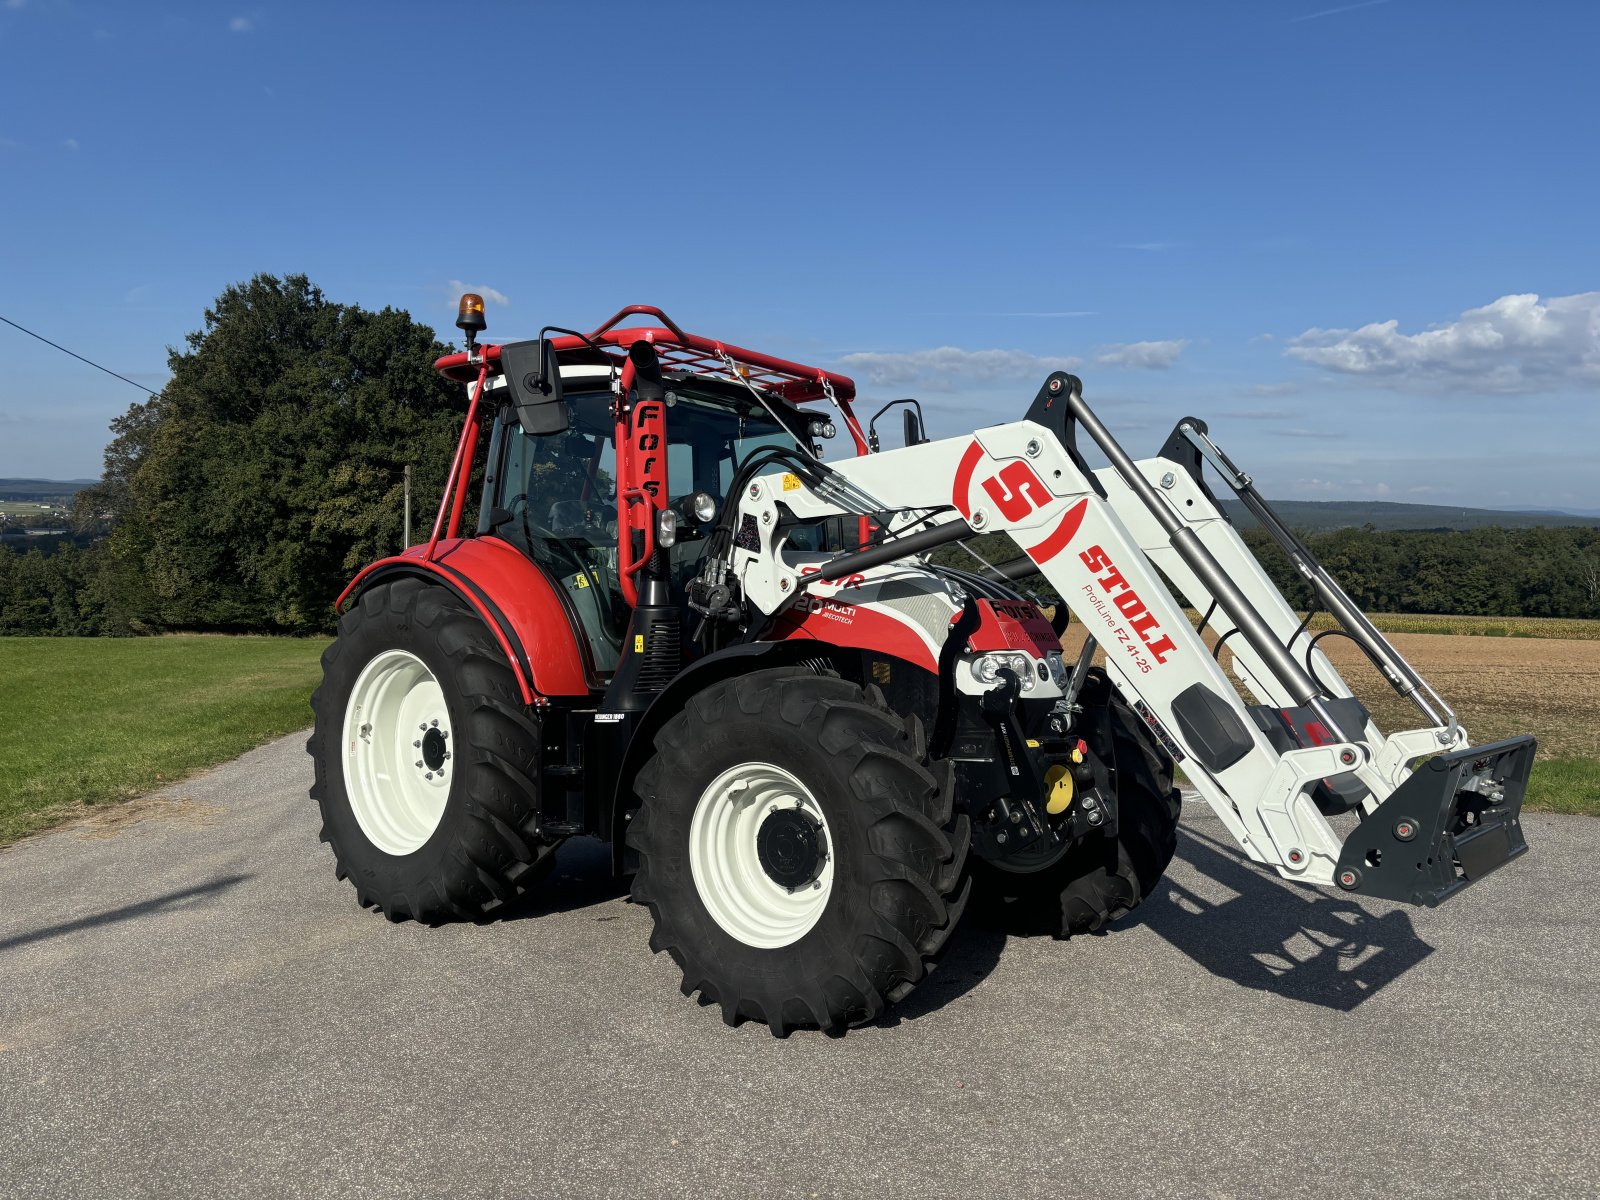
{"x": 1106, "y": 557}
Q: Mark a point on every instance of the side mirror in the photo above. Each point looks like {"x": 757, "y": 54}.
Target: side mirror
{"x": 913, "y": 428}
{"x": 534, "y": 377}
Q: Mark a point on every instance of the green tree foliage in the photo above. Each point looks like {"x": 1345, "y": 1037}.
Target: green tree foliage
{"x": 1479, "y": 572}
{"x": 270, "y": 468}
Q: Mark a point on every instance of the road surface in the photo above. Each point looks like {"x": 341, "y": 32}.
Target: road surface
{"x": 191, "y": 1005}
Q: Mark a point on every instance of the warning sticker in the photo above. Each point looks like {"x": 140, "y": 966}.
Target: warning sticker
{"x": 791, "y": 482}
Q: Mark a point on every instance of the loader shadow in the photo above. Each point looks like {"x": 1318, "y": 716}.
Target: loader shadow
{"x": 1293, "y": 941}
{"x": 128, "y": 912}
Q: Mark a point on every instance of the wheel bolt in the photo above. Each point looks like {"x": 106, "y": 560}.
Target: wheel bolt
{"x": 429, "y": 775}
{"x": 416, "y": 745}
{"x": 434, "y": 723}
{"x": 447, "y": 754}
{"x": 419, "y": 764}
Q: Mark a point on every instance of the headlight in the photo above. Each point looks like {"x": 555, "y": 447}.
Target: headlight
{"x": 704, "y": 507}
{"x": 821, "y": 428}
{"x": 666, "y": 528}
{"x": 987, "y": 668}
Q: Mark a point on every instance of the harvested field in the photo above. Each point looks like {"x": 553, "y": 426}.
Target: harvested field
{"x": 1548, "y": 687}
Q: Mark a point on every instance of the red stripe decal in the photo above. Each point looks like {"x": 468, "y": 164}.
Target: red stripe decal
{"x": 969, "y": 464}
{"x": 1064, "y": 533}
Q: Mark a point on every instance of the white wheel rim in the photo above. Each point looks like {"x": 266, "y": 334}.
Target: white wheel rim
{"x": 398, "y": 752}
{"x": 724, "y": 858}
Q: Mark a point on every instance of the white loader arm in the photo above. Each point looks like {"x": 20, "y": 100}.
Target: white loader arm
{"x": 1104, "y": 541}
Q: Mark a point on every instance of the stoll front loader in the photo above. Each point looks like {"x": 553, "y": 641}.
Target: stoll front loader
{"x": 678, "y": 629}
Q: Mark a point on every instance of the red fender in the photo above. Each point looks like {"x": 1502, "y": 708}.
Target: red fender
{"x": 516, "y": 600}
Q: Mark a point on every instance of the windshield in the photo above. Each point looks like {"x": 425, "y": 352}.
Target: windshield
{"x": 709, "y": 435}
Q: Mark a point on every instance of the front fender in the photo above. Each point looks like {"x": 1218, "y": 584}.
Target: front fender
{"x": 515, "y": 598}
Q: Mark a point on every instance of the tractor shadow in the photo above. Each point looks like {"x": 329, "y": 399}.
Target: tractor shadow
{"x": 972, "y": 953}
{"x": 582, "y": 879}
{"x": 1292, "y": 941}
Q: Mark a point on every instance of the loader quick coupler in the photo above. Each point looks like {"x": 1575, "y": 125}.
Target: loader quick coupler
{"x": 1454, "y": 820}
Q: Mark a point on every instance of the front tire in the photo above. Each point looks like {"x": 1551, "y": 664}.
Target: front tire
{"x": 427, "y": 761}
{"x": 802, "y": 865}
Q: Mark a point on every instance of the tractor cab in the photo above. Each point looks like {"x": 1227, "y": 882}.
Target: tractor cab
{"x": 610, "y": 459}
{"x": 554, "y": 495}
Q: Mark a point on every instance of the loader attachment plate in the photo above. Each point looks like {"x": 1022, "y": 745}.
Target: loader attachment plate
{"x": 1456, "y": 818}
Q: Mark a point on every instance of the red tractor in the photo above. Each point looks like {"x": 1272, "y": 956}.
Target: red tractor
{"x": 679, "y": 629}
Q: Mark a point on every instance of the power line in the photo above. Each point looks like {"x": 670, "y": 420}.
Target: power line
{"x": 79, "y": 357}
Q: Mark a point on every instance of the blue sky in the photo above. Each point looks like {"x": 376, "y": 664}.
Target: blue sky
{"x": 1211, "y": 208}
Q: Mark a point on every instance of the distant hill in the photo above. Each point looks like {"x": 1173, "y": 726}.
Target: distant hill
{"x": 43, "y": 490}
{"x": 1320, "y": 516}
{"x": 1313, "y": 516}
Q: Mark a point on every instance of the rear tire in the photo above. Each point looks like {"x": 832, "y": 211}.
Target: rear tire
{"x": 1100, "y": 878}
{"x": 802, "y": 864}
{"x": 458, "y": 836}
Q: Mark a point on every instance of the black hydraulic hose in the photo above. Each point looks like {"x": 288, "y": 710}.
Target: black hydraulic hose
{"x": 899, "y": 547}
{"x": 1012, "y": 568}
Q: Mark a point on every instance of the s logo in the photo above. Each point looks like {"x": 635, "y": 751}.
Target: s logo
{"x": 1017, "y": 491}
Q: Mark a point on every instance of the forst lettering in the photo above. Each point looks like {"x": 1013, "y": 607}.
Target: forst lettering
{"x": 1121, "y": 593}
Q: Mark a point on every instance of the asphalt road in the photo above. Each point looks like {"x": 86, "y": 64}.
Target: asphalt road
{"x": 191, "y": 1005}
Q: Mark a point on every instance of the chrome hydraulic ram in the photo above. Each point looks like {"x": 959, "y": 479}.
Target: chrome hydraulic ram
{"x": 1295, "y": 679}
{"x": 1401, "y": 675}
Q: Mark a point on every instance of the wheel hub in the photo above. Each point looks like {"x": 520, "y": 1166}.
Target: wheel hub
{"x": 433, "y": 749}
{"x": 397, "y": 751}
{"x": 760, "y": 855}
{"x": 791, "y": 847}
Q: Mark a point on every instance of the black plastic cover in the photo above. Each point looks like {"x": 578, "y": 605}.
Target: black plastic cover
{"x": 1296, "y": 727}
{"x": 1211, "y": 729}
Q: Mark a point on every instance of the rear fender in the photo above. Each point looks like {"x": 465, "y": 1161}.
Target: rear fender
{"x": 517, "y": 601}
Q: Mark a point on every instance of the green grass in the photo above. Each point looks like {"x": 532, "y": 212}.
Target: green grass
{"x": 1565, "y": 785}
{"x": 92, "y": 721}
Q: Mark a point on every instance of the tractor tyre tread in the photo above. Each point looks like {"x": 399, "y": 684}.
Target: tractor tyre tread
{"x": 488, "y": 850}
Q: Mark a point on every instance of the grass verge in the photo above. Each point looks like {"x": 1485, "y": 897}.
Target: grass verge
{"x": 1565, "y": 785}
{"x": 95, "y": 720}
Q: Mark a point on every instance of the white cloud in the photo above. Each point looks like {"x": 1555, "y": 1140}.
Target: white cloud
{"x": 241, "y": 25}
{"x": 492, "y": 295}
{"x": 1516, "y": 344}
{"x": 939, "y": 368}
{"x": 1141, "y": 356}
{"x": 1333, "y": 12}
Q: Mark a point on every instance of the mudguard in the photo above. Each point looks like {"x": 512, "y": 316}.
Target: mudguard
{"x": 517, "y": 601}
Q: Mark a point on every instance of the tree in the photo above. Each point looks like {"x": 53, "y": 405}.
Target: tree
{"x": 269, "y": 468}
